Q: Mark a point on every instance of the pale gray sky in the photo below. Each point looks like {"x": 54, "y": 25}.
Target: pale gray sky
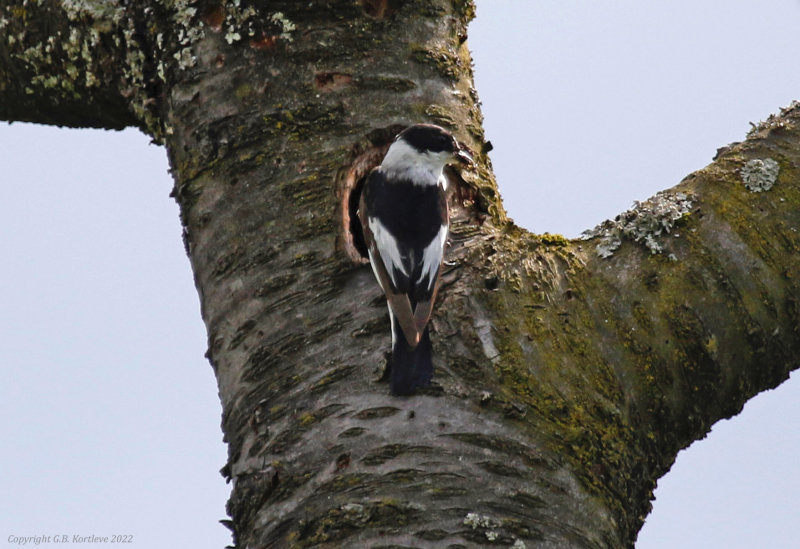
{"x": 111, "y": 412}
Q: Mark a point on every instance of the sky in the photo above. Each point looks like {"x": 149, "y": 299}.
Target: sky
{"x": 111, "y": 411}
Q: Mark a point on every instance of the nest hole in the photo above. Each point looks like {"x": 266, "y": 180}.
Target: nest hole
{"x": 352, "y": 185}
{"x": 356, "y": 232}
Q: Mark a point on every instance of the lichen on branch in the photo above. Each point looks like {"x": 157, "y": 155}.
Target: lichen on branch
{"x": 647, "y": 223}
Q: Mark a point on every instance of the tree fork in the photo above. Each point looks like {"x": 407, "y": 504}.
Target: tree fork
{"x": 569, "y": 381}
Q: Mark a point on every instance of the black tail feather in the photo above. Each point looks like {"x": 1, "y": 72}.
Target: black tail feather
{"x": 411, "y": 368}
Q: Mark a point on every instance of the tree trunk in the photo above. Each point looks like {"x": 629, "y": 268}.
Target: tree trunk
{"x": 570, "y": 373}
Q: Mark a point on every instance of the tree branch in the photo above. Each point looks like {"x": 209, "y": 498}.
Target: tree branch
{"x": 57, "y": 67}
{"x": 622, "y": 361}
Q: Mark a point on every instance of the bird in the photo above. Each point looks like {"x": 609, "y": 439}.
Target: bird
{"x": 405, "y": 221}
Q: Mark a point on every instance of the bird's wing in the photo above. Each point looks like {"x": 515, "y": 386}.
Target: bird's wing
{"x": 384, "y": 257}
{"x": 398, "y": 303}
{"x": 432, "y": 257}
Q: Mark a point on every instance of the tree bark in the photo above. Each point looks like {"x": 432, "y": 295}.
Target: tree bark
{"x": 570, "y": 373}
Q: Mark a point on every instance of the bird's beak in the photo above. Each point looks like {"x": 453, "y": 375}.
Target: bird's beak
{"x": 464, "y": 159}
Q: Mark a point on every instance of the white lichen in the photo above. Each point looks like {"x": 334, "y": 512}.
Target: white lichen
{"x": 287, "y": 27}
{"x": 243, "y": 22}
{"x": 94, "y": 41}
{"x": 646, "y": 223}
{"x": 475, "y": 521}
{"x": 356, "y": 513}
{"x": 760, "y": 174}
{"x": 352, "y": 508}
{"x": 45, "y": 81}
{"x": 487, "y": 523}
{"x": 96, "y": 9}
{"x": 238, "y": 20}
{"x": 133, "y": 72}
{"x": 518, "y": 544}
{"x": 71, "y": 70}
{"x": 187, "y": 31}
{"x": 184, "y": 58}
{"x": 91, "y": 79}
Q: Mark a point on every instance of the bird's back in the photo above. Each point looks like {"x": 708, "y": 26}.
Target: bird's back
{"x": 411, "y": 212}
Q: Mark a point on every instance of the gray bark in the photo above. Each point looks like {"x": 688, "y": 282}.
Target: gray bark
{"x": 568, "y": 382}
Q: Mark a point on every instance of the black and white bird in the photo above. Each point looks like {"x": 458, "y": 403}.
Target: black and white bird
{"x": 404, "y": 217}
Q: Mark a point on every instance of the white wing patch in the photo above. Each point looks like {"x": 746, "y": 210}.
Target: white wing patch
{"x": 391, "y": 319}
{"x": 387, "y": 245}
{"x": 375, "y": 270}
{"x": 432, "y": 256}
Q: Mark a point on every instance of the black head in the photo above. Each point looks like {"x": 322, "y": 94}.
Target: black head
{"x": 427, "y": 137}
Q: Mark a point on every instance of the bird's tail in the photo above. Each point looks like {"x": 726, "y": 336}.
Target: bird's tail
{"x": 410, "y": 368}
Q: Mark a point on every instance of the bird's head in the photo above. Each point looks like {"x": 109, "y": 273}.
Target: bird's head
{"x": 424, "y": 149}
